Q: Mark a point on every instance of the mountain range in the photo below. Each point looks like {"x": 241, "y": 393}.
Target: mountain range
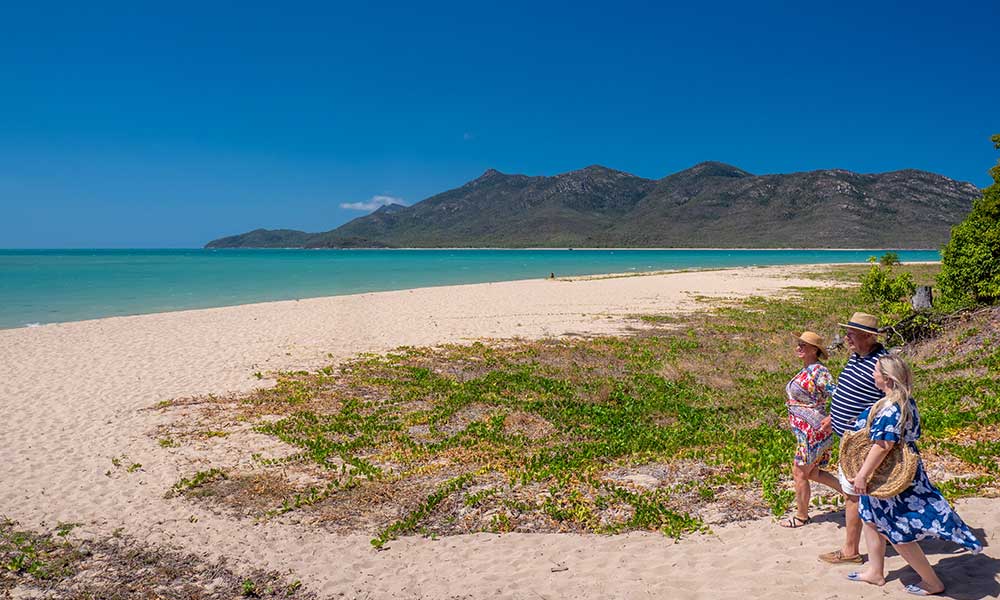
{"x": 710, "y": 205}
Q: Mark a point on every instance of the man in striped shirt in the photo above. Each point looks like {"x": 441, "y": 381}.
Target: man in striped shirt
{"x": 855, "y": 392}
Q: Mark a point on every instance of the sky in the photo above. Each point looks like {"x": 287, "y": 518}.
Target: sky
{"x": 129, "y": 125}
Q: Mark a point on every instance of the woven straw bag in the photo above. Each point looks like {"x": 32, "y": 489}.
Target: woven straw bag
{"x": 895, "y": 474}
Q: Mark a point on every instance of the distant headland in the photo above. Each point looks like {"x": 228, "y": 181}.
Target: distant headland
{"x": 709, "y": 205}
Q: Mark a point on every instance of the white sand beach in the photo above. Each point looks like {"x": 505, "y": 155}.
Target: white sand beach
{"x": 76, "y": 395}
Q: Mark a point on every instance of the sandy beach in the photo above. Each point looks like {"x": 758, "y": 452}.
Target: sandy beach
{"x": 76, "y": 396}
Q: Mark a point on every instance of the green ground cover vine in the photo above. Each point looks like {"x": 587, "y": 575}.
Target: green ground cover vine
{"x": 604, "y": 434}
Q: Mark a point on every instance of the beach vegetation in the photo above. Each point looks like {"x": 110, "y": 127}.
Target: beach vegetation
{"x": 889, "y": 260}
{"x": 188, "y": 484}
{"x": 409, "y": 522}
{"x": 889, "y": 289}
{"x": 41, "y": 557}
{"x": 249, "y": 589}
{"x": 123, "y": 463}
{"x": 674, "y": 428}
{"x": 48, "y": 564}
{"x": 970, "y": 261}
{"x": 63, "y": 529}
{"x": 963, "y": 487}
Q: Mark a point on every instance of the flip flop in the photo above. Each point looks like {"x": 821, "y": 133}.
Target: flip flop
{"x": 794, "y": 522}
{"x": 916, "y": 590}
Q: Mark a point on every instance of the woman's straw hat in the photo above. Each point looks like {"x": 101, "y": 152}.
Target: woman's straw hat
{"x": 863, "y": 322}
{"x": 815, "y": 339}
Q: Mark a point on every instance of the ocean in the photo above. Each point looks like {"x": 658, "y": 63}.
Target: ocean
{"x": 52, "y": 286}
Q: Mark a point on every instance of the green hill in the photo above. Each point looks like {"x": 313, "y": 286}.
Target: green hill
{"x": 708, "y": 205}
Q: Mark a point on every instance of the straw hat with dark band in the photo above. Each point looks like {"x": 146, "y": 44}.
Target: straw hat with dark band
{"x": 862, "y": 322}
{"x": 814, "y": 339}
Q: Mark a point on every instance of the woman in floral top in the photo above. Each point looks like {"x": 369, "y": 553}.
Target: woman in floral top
{"x": 808, "y": 393}
{"x": 919, "y": 511}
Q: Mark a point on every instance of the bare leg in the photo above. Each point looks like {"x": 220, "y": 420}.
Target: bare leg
{"x": 826, "y": 478}
{"x": 853, "y": 522}
{"x": 875, "y": 572}
{"x": 915, "y": 557}
{"x": 802, "y": 490}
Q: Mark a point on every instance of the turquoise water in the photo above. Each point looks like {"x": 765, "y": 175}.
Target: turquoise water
{"x": 49, "y": 286}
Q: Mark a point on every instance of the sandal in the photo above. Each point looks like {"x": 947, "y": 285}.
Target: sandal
{"x": 794, "y": 521}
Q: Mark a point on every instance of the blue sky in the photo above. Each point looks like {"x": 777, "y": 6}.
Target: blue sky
{"x": 123, "y": 125}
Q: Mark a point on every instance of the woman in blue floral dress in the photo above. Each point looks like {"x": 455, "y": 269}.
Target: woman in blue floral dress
{"x": 918, "y": 512}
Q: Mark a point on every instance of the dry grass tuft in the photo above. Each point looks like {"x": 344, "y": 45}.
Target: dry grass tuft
{"x": 52, "y": 565}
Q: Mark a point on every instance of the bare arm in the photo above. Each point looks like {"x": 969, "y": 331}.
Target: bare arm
{"x": 878, "y": 452}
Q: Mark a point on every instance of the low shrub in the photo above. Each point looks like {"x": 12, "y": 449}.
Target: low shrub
{"x": 889, "y": 289}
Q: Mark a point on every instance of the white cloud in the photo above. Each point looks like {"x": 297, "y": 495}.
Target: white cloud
{"x": 373, "y": 204}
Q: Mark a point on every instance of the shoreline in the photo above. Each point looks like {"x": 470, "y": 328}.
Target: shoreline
{"x": 593, "y": 276}
{"x": 557, "y": 248}
{"x": 568, "y": 248}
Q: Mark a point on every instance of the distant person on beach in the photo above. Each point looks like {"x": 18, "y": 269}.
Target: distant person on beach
{"x": 807, "y": 395}
{"x": 855, "y": 391}
{"x": 919, "y": 511}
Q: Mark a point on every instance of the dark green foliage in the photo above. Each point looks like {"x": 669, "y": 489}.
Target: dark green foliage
{"x": 970, "y": 266}
{"x": 263, "y": 238}
{"x": 890, "y": 290}
{"x": 889, "y": 259}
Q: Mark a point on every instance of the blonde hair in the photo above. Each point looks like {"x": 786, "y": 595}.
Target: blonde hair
{"x": 899, "y": 376}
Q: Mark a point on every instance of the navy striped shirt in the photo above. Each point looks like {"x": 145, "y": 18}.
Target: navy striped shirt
{"x": 855, "y": 389}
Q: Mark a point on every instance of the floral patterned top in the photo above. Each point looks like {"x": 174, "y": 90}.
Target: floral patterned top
{"x": 811, "y": 387}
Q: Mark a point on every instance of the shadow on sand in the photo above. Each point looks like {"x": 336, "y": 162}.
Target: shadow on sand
{"x": 966, "y": 576}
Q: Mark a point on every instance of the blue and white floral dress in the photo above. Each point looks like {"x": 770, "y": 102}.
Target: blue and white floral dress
{"x": 919, "y": 511}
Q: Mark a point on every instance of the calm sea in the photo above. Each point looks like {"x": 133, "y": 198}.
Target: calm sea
{"x": 50, "y": 286}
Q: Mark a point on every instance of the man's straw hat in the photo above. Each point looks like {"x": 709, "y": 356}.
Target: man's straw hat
{"x": 815, "y": 339}
{"x": 862, "y": 322}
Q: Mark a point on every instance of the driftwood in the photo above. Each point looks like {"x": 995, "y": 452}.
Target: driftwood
{"x": 922, "y": 325}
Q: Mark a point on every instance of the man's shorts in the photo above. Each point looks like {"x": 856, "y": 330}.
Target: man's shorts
{"x": 844, "y": 484}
